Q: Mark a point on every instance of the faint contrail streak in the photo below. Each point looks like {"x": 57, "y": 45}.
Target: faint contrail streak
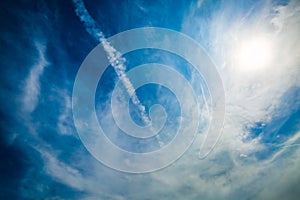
{"x": 115, "y": 58}
{"x": 205, "y": 100}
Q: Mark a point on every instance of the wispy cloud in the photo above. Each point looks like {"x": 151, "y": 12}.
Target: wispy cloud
{"x": 32, "y": 83}
{"x": 65, "y": 122}
{"x": 62, "y": 172}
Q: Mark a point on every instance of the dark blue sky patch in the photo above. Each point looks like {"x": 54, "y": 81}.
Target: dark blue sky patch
{"x": 13, "y": 165}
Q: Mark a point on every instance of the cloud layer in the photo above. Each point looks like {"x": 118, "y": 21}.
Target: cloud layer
{"x": 258, "y": 155}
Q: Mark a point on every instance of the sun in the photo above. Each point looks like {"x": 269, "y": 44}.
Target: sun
{"x": 253, "y": 54}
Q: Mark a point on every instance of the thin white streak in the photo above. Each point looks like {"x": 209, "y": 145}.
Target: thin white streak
{"x": 205, "y": 101}
{"x": 289, "y": 143}
{"x": 115, "y": 58}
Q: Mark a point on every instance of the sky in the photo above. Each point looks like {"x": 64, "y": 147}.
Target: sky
{"x": 251, "y": 49}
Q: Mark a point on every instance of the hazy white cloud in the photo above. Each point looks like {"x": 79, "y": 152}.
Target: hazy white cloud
{"x": 87, "y": 175}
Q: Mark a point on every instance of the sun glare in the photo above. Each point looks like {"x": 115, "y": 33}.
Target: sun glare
{"x": 253, "y": 54}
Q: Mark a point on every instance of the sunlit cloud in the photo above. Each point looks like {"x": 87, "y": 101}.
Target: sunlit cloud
{"x": 253, "y": 54}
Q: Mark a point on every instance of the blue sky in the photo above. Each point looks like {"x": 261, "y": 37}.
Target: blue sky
{"x": 43, "y": 44}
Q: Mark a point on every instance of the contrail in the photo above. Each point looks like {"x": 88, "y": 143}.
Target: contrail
{"x": 205, "y": 100}
{"x": 115, "y": 58}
